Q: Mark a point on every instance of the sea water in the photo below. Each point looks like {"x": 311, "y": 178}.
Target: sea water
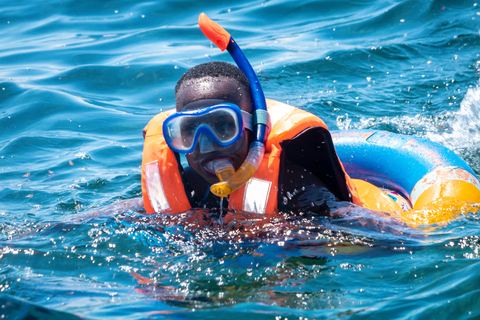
{"x": 80, "y": 79}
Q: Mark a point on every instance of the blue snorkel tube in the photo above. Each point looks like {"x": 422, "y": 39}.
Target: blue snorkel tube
{"x": 229, "y": 179}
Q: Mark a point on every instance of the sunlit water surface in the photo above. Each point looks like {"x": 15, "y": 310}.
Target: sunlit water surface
{"x": 80, "y": 79}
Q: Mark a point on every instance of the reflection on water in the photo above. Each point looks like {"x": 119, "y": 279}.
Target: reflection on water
{"x": 80, "y": 79}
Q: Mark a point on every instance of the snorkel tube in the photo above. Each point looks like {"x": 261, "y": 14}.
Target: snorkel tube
{"x": 229, "y": 181}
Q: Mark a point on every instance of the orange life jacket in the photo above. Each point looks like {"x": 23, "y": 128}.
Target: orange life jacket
{"x": 163, "y": 189}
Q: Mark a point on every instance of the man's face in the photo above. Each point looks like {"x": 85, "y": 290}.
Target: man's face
{"x": 208, "y": 92}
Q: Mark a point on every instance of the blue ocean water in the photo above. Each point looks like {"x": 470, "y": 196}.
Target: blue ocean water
{"x": 80, "y": 79}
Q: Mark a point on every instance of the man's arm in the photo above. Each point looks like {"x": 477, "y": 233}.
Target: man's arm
{"x": 302, "y": 191}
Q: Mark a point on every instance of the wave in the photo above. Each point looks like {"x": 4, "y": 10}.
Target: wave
{"x": 457, "y": 130}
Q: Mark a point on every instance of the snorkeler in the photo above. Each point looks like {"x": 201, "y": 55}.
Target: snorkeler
{"x": 261, "y": 156}
{"x": 225, "y": 141}
{"x": 213, "y": 121}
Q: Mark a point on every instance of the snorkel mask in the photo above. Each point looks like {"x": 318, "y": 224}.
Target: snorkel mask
{"x": 222, "y": 123}
{"x": 229, "y": 179}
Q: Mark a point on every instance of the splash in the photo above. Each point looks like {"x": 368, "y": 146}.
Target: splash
{"x": 463, "y": 135}
{"x": 459, "y": 131}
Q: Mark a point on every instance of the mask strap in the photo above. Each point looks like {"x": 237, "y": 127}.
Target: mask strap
{"x": 247, "y": 120}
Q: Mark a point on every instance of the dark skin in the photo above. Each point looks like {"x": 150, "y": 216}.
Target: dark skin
{"x": 201, "y": 93}
{"x": 207, "y": 92}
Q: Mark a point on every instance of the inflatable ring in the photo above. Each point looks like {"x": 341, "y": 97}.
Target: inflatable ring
{"x": 416, "y": 173}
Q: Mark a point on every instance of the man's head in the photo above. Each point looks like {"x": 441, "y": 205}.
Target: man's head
{"x": 213, "y": 80}
{"x": 206, "y": 85}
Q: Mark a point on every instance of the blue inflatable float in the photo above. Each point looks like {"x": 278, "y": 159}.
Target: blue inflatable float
{"x": 422, "y": 172}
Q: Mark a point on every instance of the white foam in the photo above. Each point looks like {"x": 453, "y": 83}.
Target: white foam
{"x": 464, "y": 133}
{"x": 458, "y": 131}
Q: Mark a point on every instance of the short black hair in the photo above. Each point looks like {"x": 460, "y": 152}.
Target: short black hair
{"x": 214, "y": 69}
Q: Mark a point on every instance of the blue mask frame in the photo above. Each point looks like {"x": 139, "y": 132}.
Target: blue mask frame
{"x": 201, "y": 122}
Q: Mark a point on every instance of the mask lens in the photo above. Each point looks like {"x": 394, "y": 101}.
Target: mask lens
{"x": 223, "y": 123}
{"x": 179, "y": 133}
{"x": 188, "y": 127}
